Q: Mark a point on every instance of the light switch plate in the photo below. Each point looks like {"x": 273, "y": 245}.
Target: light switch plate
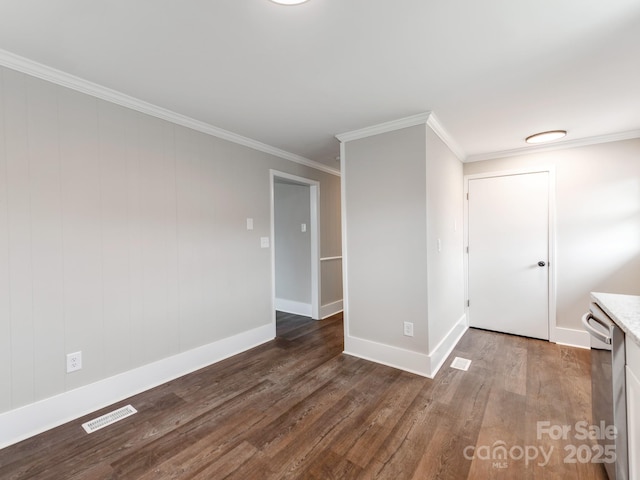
{"x": 249, "y": 223}
{"x": 303, "y": 227}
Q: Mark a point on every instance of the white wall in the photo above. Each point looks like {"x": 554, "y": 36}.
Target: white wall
{"x": 445, "y": 195}
{"x": 124, "y": 236}
{"x": 293, "y": 246}
{"x": 598, "y": 220}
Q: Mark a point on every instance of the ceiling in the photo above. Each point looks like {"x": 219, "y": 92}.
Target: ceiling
{"x": 292, "y": 77}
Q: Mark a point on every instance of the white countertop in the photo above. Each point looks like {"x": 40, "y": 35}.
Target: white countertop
{"x": 623, "y": 309}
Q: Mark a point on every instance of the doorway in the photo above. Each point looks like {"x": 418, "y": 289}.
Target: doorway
{"x": 295, "y": 254}
{"x": 509, "y": 234}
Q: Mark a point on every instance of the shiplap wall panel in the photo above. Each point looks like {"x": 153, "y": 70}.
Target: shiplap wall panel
{"x": 228, "y": 227}
{"x": 82, "y": 234}
{"x": 122, "y": 236}
{"x": 46, "y": 237}
{"x": 114, "y": 157}
{"x": 134, "y": 226}
{"x": 19, "y": 224}
{"x": 172, "y": 327}
{"x": 235, "y": 205}
{"x": 211, "y": 243}
{"x": 189, "y": 223}
{"x": 157, "y": 256}
{"x": 5, "y": 303}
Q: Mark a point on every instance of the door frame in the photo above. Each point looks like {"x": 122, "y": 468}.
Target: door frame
{"x": 314, "y": 234}
{"x": 550, "y": 170}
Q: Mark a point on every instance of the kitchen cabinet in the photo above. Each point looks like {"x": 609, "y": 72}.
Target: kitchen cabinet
{"x": 633, "y": 406}
{"x": 608, "y": 316}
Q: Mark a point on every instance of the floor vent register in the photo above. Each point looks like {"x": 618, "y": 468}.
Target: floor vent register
{"x": 461, "y": 363}
{"x": 108, "y": 419}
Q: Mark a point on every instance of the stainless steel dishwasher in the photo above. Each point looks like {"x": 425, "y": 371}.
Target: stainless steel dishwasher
{"x": 608, "y": 385}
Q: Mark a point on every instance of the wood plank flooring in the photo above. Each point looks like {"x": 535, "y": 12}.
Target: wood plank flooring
{"x": 297, "y": 408}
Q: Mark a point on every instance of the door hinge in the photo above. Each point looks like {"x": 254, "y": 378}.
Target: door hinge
{"x": 467, "y": 195}
{"x": 467, "y": 249}
{"x": 468, "y": 303}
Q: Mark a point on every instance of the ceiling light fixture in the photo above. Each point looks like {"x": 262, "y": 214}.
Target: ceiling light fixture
{"x": 289, "y": 2}
{"x": 543, "y": 137}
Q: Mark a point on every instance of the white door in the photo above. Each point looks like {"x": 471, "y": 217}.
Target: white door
{"x": 508, "y": 227}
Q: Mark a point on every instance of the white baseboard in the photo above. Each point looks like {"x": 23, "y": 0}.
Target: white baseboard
{"x": 571, "y": 337}
{"x": 407, "y": 360}
{"x": 24, "y": 422}
{"x": 331, "y": 309}
{"x": 291, "y": 306}
{"x": 448, "y": 343}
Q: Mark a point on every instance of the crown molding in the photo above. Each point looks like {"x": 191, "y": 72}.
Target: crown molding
{"x": 412, "y": 121}
{"x": 448, "y": 140}
{"x": 426, "y": 118}
{"x": 580, "y": 142}
{"x": 44, "y": 72}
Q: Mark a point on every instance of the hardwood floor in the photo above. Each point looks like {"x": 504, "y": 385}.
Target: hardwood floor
{"x": 298, "y": 408}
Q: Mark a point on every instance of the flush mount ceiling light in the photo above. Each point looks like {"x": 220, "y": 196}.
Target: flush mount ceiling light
{"x": 289, "y": 2}
{"x": 543, "y": 137}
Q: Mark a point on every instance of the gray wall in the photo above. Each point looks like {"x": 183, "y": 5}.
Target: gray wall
{"x": 124, "y": 236}
{"x": 385, "y": 196}
{"x": 330, "y": 244}
{"x": 331, "y": 281}
{"x": 404, "y": 193}
{"x": 597, "y": 220}
{"x": 293, "y": 247}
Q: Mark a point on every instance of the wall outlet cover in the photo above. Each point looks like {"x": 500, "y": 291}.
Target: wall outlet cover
{"x": 74, "y": 361}
{"x": 408, "y": 329}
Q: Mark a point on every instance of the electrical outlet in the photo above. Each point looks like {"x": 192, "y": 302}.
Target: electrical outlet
{"x": 74, "y": 361}
{"x": 408, "y": 329}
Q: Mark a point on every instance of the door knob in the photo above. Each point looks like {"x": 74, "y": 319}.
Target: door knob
{"x": 541, "y": 263}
